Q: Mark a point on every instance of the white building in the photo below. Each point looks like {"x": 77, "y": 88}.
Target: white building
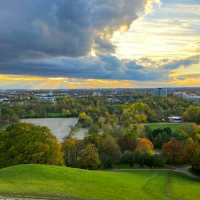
{"x": 175, "y": 119}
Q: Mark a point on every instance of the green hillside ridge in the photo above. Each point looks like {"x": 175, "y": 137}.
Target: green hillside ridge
{"x": 75, "y": 184}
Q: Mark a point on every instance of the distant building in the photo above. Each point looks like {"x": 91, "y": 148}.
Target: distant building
{"x": 4, "y": 100}
{"x": 175, "y": 119}
{"x": 190, "y": 97}
{"x": 46, "y": 97}
{"x": 162, "y": 92}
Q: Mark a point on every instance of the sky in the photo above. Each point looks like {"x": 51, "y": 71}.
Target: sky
{"x": 70, "y": 44}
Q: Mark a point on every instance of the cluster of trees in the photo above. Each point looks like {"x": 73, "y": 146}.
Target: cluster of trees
{"x": 116, "y": 134}
{"x": 192, "y": 114}
{"x": 23, "y": 143}
{"x": 93, "y": 109}
{"x": 149, "y": 148}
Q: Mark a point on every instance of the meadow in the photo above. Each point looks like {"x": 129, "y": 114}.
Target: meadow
{"x": 76, "y": 184}
{"x": 173, "y": 126}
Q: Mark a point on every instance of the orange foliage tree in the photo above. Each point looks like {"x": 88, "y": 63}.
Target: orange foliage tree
{"x": 144, "y": 145}
{"x": 173, "y": 151}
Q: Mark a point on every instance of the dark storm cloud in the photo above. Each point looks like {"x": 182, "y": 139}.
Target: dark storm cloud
{"x": 54, "y": 38}
{"x": 41, "y": 28}
{"x": 101, "y": 67}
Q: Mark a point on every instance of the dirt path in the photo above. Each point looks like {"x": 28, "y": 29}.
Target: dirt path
{"x": 186, "y": 171}
{"x": 181, "y": 170}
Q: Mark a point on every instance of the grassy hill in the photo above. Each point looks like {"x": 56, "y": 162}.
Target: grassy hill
{"x": 76, "y": 184}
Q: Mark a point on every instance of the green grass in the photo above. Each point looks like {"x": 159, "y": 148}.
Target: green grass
{"x": 76, "y": 184}
{"x": 173, "y": 126}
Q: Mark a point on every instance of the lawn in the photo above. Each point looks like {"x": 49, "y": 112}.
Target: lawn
{"x": 173, "y": 126}
{"x": 76, "y": 184}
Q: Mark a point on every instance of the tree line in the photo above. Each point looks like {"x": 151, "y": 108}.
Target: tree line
{"x": 23, "y": 143}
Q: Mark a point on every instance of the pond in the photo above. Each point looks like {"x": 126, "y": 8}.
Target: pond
{"x": 60, "y": 127}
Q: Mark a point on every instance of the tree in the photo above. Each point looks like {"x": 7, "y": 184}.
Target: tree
{"x": 146, "y": 159}
{"x": 109, "y": 151}
{"x": 173, "y": 151}
{"x": 85, "y": 119}
{"x": 25, "y": 144}
{"x": 127, "y": 158}
{"x": 127, "y": 141}
{"x": 70, "y": 150}
{"x": 144, "y": 145}
{"x": 195, "y": 158}
{"x": 89, "y": 157}
{"x": 137, "y": 113}
{"x": 160, "y": 136}
{"x": 192, "y": 114}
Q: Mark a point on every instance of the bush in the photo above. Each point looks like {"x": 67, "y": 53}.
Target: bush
{"x": 127, "y": 158}
{"x": 26, "y": 144}
{"x": 146, "y": 159}
{"x": 142, "y": 159}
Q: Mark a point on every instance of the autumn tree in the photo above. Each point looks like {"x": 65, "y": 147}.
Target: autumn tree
{"x": 70, "y": 150}
{"x": 109, "y": 151}
{"x": 137, "y": 113}
{"x": 144, "y": 145}
{"x": 26, "y": 143}
{"x": 173, "y": 151}
{"x": 89, "y": 157}
{"x": 192, "y": 114}
{"x": 195, "y": 158}
{"x": 127, "y": 141}
{"x": 85, "y": 119}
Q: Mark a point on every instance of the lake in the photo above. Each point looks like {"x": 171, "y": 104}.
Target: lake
{"x": 60, "y": 127}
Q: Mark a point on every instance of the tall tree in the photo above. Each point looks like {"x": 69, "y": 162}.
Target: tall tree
{"x": 89, "y": 157}
{"x": 109, "y": 151}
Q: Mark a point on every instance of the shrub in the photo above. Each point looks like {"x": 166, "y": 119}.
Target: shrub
{"x": 127, "y": 158}
{"x": 146, "y": 159}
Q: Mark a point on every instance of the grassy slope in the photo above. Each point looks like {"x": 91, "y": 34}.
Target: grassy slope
{"x": 173, "y": 126}
{"x": 72, "y": 184}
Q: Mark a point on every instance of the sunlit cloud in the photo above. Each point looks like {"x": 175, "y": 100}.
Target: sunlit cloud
{"x": 132, "y": 43}
{"x": 34, "y": 82}
{"x": 158, "y": 39}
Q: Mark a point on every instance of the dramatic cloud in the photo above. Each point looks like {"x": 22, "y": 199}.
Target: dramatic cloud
{"x": 46, "y": 28}
{"x": 99, "y": 67}
{"x": 57, "y": 38}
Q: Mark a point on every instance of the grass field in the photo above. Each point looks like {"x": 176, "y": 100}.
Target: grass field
{"x": 173, "y": 126}
{"x": 76, "y": 184}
